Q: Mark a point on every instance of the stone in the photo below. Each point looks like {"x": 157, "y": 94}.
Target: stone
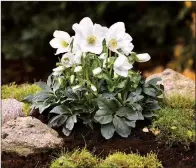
{"x": 175, "y": 83}
{"x": 27, "y": 135}
{"x": 11, "y": 109}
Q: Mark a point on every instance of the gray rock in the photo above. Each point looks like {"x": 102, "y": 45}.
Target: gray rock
{"x": 27, "y": 135}
{"x": 175, "y": 83}
{"x": 11, "y": 109}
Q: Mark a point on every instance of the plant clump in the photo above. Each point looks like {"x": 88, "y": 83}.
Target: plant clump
{"x": 122, "y": 160}
{"x": 84, "y": 159}
{"x": 77, "y": 159}
{"x": 175, "y": 121}
{"x": 94, "y": 82}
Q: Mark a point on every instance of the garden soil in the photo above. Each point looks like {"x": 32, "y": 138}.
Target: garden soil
{"x": 138, "y": 142}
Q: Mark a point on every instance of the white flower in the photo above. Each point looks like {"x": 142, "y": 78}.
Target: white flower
{"x": 74, "y": 88}
{"x": 70, "y": 59}
{"x": 116, "y": 39}
{"x": 61, "y": 41}
{"x": 89, "y": 36}
{"x": 143, "y": 57}
{"x": 97, "y": 71}
{"x": 121, "y": 66}
{"x": 93, "y": 88}
{"x": 58, "y": 70}
{"x": 103, "y": 56}
{"x": 78, "y": 69}
{"x": 72, "y": 77}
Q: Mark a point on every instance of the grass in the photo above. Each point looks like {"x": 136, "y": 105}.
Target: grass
{"x": 175, "y": 121}
{"x": 84, "y": 159}
{"x": 19, "y": 92}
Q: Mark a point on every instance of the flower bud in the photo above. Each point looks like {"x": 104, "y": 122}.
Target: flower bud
{"x": 143, "y": 57}
{"x": 103, "y": 56}
{"x": 60, "y": 81}
{"x": 76, "y": 88}
{"x": 115, "y": 75}
{"x": 93, "y": 88}
{"x": 59, "y": 69}
{"x": 97, "y": 71}
{"x": 72, "y": 77}
{"x": 78, "y": 69}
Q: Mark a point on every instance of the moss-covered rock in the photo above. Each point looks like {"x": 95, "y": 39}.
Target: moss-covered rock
{"x": 19, "y": 92}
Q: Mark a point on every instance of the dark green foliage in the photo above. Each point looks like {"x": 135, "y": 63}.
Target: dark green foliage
{"x": 116, "y": 111}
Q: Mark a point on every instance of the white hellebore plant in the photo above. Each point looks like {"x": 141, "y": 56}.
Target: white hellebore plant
{"x": 143, "y": 57}
{"x": 117, "y": 39}
{"x": 61, "y": 41}
{"x": 89, "y": 36}
{"x": 97, "y": 71}
{"x": 121, "y": 65}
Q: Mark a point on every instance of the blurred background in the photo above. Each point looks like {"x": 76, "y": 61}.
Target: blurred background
{"x": 165, "y": 30}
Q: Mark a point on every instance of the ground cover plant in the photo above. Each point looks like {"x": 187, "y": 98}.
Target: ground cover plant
{"x": 94, "y": 81}
{"x": 175, "y": 121}
{"x": 84, "y": 159}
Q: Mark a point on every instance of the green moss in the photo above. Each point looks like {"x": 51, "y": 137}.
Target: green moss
{"x": 179, "y": 101}
{"x": 63, "y": 162}
{"x": 77, "y": 159}
{"x": 18, "y": 92}
{"x": 26, "y": 108}
{"x": 176, "y": 125}
{"x": 122, "y": 160}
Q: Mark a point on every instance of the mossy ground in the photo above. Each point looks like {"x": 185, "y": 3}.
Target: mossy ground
{"x": 84, "y": 159}
{"x": 175, "y": 121}
{"x": 19, "y": 92}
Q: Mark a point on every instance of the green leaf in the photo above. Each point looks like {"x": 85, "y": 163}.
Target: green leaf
{"x": 153, "y": 81}
{"x": 127, "y": 112}
{"x": 149, "y": 91}
{"x": 103, "y": 116}
{"x": 140, "y": 116}
{"x": 53, "y": 122}
{"x": 43, "y": 86}
{"x": 66, "y": 131}
{"x": 121, "y": 127}
{"x": 123, "y": 111}
{"x": 121, "y": 84}
{"x": 130, "y": 123}
{"x": 42, "y": 107}
{"x": 107, "y": 130}
{"x": 148, "y": 114}
{"x": 70, "y": 122}
{"x": 61, "y": 120}
{"x": 60, "y": 110}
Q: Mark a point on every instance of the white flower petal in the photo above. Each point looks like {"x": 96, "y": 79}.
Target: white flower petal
{"x": 62, "y": 35}
{"x": 117, "y": 29}
{"x": 61, "y": 50}
{"x": 100, "y": 31}
{"x": 59, "y": 69}
{"x": 143, "y": 57}
{"x": 120, "y": 60}
{"x": 121, "y": 72}
{"x": 55, "y": 43}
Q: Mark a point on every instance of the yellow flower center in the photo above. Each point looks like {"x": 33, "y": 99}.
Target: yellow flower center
{"x": 64, "y": 44}
{"x": 113, "y": 43}
{"x": 91, "y": 40}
